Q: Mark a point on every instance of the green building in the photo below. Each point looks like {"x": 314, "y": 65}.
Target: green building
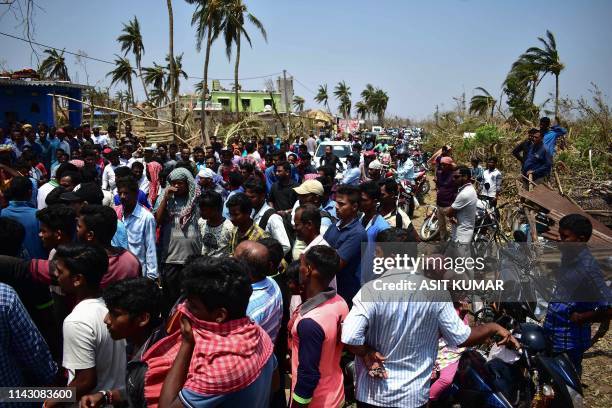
{"x": 255, "y": 101}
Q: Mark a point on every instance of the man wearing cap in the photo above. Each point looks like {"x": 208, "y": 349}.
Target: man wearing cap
{"x": 375, "y": 173}
{"x": 446, "y": 193}
{"x": 206, "y": 182}
{"x": 368, "y": 157}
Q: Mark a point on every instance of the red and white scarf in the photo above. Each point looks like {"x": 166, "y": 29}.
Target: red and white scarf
{"x": 227, "y": 356}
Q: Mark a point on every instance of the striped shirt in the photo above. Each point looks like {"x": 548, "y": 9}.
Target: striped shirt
{"x": 266, "y": 306}
{"x": 405, "y": 331}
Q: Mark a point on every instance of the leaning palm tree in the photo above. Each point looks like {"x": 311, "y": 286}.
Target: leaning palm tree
{"x": 322, "y": 96}
{"x": 342, "y": 92}
{"x": 546, "y": 60}
{"x": 482, "y": 104}
{"x": 123, "y": 73}
{"x": 235, "y": 15}
{"x": 362, "y": 109}
{"x": 207, "y": 18}
{"x": 298, "y": 103}
{"x": 54, "y": 66}
{"x": 131, "y": 40}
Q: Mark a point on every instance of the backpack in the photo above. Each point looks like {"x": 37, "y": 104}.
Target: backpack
{"x": 263, "y": 222}
{"x": 326, "y": 214}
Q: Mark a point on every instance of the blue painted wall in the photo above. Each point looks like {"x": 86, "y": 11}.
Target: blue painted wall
{"x": 32, "y": 105}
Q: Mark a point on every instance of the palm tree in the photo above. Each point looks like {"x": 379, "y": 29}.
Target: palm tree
{"x": 122, "y": 98}
{"x": 235, "y": 15}
{"x": 342, "y": 92}
{"x": 159, "y": 96}
{"x": 366, "y": 96}
{"x": 207, "y": 18}
{"x": 172, "y": 66}
{"x": 155, "y": 76}
{"x": 378, "y": 104}
{"x": 546, "y": 60}
{"x": 123, "y": 73}
{"x": 298, "y": 103}
{"x": 482, "y": 104}
{"x": 178, "y": 67}
{"x": 362, "y": 109}
{"x": 322, "y": 96}
{"x": 54, "y": 66}
{"x": 131, "y": 40}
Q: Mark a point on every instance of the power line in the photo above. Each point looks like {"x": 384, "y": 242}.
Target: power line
{"x": 304, "y": 86}
{"x": 112, "y": 63}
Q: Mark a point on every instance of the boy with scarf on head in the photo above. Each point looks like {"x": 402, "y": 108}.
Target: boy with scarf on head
{"x": 177, "y": 215}
{"x": 213, "y": 322}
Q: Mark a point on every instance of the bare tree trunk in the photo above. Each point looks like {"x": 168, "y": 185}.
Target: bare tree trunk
{"x": 172, "y": 78}
{"x": 204, "y": 119}
{"x": 144, "y": 86}
{"x": 557, "y": 98}
{"x": 236, "y": 67}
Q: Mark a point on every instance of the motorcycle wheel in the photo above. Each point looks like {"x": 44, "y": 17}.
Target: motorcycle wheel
{"x": 425, "y": 187}
{"x": 429, "y": 229}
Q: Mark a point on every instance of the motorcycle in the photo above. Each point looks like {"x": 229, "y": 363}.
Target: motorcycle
{"x": 531, "y": 377}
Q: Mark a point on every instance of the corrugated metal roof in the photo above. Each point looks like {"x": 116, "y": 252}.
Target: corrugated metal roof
{"x": 57, "y": 84}
{"x": 559, "y": 206}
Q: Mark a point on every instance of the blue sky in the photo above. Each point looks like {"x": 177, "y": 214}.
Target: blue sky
{"x": 421, "y": 52}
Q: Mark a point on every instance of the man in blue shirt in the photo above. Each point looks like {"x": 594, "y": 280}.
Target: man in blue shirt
{"x": 20, "y": 210}
{"x": 352, "y": 174}
{"x": 346, "y": 237}
{"x": 538, "y": 162}
{"x": 373, "y": 223}
{"x": 25, "y": 359}
{"x": 550, "y": 134}
{"x": 581, "y": 293}
{"x": 140, "y": 226}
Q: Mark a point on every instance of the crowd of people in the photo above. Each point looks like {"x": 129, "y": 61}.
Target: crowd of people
{"x": 166, "y": 275}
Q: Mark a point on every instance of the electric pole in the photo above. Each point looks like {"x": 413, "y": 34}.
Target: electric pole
{"x": 287, "y": 105}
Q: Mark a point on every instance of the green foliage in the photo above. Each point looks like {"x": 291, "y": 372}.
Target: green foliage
{"x": 486, "y": 136}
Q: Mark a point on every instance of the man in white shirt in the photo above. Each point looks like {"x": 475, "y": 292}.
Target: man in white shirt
{"x": 463, "y": 209}
{"x": 97, "y": 138}
{"x": 95, "y": 362}
{"x": 264, "y": 215}
{"x": 108, "y": 174}
{"x": 492, "y": 178}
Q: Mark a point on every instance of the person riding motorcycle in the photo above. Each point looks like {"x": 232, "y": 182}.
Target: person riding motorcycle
{"x": 405, "y": 166}
{"x": 352, "y": 174}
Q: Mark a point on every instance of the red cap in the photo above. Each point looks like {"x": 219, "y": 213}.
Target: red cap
{"x": 107, "y": 150}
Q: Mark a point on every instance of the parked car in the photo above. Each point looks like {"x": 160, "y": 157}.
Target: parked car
{"x": 339, "y": 148}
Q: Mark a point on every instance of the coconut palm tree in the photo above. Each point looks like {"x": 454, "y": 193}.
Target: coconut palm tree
{"x": 546, "y": 60}
{"x": 207, "y": 18}
{"x": 378, "y": 104}
{"x": 342, "y": 92}
{"x": 131, "y": 41}
{"x": 159, "y": 96}
{"x": 298, "y": 103}
{"x": 235, "y": 16}
{"x": 482, "y": 104}
{"x": 155, "y": 76}
{"x": 178, "y": 67}
{"x": 322, "y": 96}
{"x": 366, "y": 96}
{"x": 122, "y": 98}
{"x": 54, "y": 66}
{"x": 123, "y": 73}
{"x": 362, "y": 109}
